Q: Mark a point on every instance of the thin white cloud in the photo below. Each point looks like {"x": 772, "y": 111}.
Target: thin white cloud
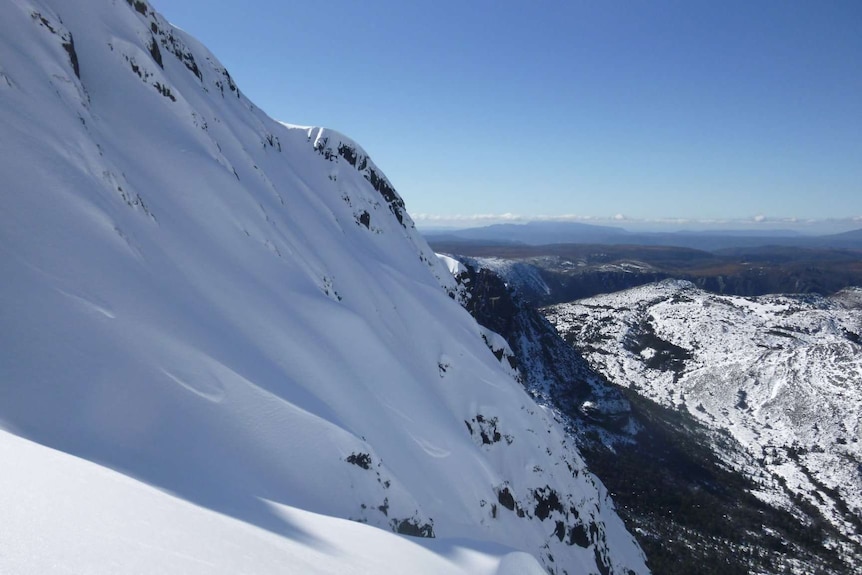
{"x": 468, "y": 217}
{"x": 670, "y": 223}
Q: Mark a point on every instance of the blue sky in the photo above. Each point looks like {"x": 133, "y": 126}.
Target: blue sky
{"x": 641, "y": 110}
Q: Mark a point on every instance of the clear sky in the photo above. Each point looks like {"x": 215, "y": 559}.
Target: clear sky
{"x": 691, "y": 109}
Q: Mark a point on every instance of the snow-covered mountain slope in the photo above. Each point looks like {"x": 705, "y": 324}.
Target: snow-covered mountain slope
{"x": 241, "y": 315}
{"x": 782, "y": 374}
{"x": 97, "y": 520}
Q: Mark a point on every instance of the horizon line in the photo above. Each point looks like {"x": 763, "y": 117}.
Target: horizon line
{"x": 760, "y": 220}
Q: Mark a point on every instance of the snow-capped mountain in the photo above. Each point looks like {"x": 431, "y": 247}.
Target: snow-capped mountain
{"x": 222, "y": 337}
{"x": 781, "y": 374}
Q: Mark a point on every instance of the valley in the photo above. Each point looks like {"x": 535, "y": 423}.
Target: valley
{"x": 557, "y": 273}
{"x": 694, "y": 491}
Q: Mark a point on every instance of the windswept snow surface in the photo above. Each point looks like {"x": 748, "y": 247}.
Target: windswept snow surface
{"x": 238, "y": 319}
{"x": 455, "y": 267}
{"x": 92, "y": 519}
{"x": 781, "y": 373}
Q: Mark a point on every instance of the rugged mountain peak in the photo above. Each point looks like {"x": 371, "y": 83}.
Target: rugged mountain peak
{"x": 334, "y": 146}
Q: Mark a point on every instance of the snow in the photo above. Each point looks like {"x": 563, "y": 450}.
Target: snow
{"x": 781, "y": 373}
{"x": 520, "y": 275}
{"x": 232, "y": 325}
{"x": 455, "y": 267}
{"x": 97, "y": 520}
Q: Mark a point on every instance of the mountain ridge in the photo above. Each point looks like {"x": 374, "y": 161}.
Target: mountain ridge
{"x": 549, "y": 233}
{"x": 241, "y": 314}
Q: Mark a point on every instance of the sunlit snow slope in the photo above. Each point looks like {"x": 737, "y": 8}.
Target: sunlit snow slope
{"x": 238, "y": 317}
{"x": 96, "y": 520}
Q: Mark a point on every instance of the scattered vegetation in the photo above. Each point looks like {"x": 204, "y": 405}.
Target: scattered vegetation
{"x": 692, "y": 515}
{"x": 667, "y": 356}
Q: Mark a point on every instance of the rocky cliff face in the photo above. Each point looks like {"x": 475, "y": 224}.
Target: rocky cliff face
{"x": 550, "y": 369}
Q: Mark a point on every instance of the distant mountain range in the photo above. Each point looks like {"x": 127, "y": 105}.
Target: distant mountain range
{"x": 549, "y": 232}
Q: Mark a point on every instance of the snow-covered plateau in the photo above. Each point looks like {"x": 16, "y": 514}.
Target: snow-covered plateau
{"x": 782, "y": 374}
{"x": 225, "y": 348}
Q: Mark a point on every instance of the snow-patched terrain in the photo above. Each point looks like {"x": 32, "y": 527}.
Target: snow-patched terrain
{"x": 781, "y": 373}
{"x": 232, "y": 329}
